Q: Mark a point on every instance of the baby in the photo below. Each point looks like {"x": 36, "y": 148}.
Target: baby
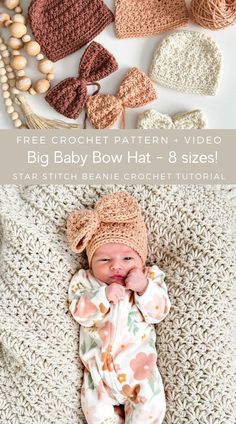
{"x": 116, "y": 302}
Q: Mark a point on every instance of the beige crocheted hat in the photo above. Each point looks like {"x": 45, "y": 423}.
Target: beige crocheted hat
{"x": 116, "y": 218}
{"x": 140, "y": 18}
{"x": 188, "y": 61}
{"x": 151, "y": 119}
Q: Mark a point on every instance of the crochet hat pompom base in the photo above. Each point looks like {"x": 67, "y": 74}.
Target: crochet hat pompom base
{"x": 135, "y": 18}
{"x": 188, "y": 61}
{"x": 152, "y": 119}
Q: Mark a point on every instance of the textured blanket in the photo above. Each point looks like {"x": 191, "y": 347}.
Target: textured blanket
{"x": 191, "y": 238}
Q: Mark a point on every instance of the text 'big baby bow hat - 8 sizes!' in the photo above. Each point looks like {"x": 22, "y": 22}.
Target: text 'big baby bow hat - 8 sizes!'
{"x": 63, "y": 26}
{"x": 136, "y": 90}
{"x": 188, "y": 61}
{"x": 116, "y": 218}
{"x": 140, "y": 18}
{"x": 69, "y": 96}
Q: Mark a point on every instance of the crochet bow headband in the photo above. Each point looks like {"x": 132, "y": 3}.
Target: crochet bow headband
{"x": 136, "y": 90}
{"x": 115, "y": 218}
{"x": 69, "y": 96}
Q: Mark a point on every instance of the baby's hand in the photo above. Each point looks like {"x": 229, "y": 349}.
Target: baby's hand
{"x": 136, "y": 281}
{"x": 115, "y": 293}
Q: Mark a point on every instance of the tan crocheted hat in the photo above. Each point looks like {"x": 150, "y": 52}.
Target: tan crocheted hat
{"x": 188, "y": 61}
{"x": 63, "y": 26}
{"x": 140, "y": 18}
{"x": 116, "y": 218}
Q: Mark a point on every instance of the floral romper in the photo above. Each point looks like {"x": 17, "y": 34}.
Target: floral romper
{"x": 117, "y": 348}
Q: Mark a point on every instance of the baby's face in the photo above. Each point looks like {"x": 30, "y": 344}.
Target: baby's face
{"x": 112, "y": 262}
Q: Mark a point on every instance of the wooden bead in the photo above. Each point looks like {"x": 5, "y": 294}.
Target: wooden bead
{"x": 26, "y": 38}
{"x": 18, "y": 62}
{"x": 18, "y": 9}
{"x": 3, "y": 78}
{"x": 15, "y": 53}
{"x": 11, "y": 75}
{"x": 45, "y": 66}
{"x": 15, "y": 91}
{"x": 40, "y": 56}
{"x": 6, "y": 94}
{"x": 9, "y": 68}
{"x": 2, "y": 64}
{"x": 6, "y": 60}
{"x": 32, "y": 91}
{"x": 15, "y": 43}
{"x": 4, "y": 17}
{"x": 19, "y": 18}
{"x": 41, "y": 86}
{"x": 50, "y": 77}
{"x": 8, "y": 102}
{"x": 3, "y": 71}
{"x": 32, "y": 48}
{"x": 17, "y": 29}
{"x": 12, "y": 83}
{"x": 5, "y": 53}
{"x": 23, "y": 83}
{"x": 5, "y": 87}
{"x": 2, "y": 47}
{"x": 21, "y": 73}
{"x": 10, "y": 109}
{"x": 11, "y": 4}
{"x": 14, "y": 116}
{"x": 17, "y": 123}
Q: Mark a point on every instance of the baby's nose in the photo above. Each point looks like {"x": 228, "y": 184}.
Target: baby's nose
{"x": 115, "y": 265}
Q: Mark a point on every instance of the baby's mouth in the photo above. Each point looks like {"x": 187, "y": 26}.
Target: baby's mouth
{"x": 119, "y": 279}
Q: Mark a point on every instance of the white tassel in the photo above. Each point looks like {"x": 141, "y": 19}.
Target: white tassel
{"x": 34, "y": 121}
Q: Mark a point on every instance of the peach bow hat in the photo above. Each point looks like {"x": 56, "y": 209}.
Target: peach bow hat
{"x": 136, "y": 90}
{"x": 116, "y": 218}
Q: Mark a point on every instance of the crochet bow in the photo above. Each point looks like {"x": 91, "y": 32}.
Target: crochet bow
{"x": 69, "y": 96}
{"x": 82, "y": 225}
{"x": 136, "y": 90}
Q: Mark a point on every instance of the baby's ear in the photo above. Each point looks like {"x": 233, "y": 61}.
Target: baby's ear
{"x": 146, "y": 271}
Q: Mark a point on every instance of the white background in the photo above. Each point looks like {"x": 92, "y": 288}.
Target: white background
{"x": 220, "y": 109}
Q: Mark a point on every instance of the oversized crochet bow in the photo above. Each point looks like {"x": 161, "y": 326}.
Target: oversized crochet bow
{"x": 135, "y": 90}
{"x": 69, "y": 96}
{"x": 83, "y": 225}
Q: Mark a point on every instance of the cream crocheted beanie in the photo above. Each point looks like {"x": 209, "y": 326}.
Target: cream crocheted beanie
{"x": 135, "y": 18}
{"x": 151, "y": 119}
{"x": 116, "y": 218}
{"x": 188, "y": 61}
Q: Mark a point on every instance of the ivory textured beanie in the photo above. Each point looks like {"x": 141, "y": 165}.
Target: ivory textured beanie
{"x": 63, "y": 26}
{"x": 116, "y": 218}
{"x": 188, "y": 61}
{"x": 152, "y": 119}
{"x": 139, "y": 18}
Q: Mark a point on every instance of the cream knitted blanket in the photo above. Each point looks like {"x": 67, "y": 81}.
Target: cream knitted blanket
{"x": 191, "y": 238}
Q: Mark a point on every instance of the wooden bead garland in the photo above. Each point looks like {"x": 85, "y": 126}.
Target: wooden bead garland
{"x": 20, "y": 39}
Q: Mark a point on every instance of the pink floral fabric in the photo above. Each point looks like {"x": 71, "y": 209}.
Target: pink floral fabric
{"x": 117, "y": 347}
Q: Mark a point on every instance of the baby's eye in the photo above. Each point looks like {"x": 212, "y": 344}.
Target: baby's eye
{"x": 128, "y": 258}
{"x": 104, "y": 260}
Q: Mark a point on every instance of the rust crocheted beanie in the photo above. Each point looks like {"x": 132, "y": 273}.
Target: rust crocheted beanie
{"x": 63, "y": 26}
{"x": 116, "y": 218}
{"x": 140, "y": 18}
{"x": 69, "y": 96}
{"x": 136, "y": 90}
